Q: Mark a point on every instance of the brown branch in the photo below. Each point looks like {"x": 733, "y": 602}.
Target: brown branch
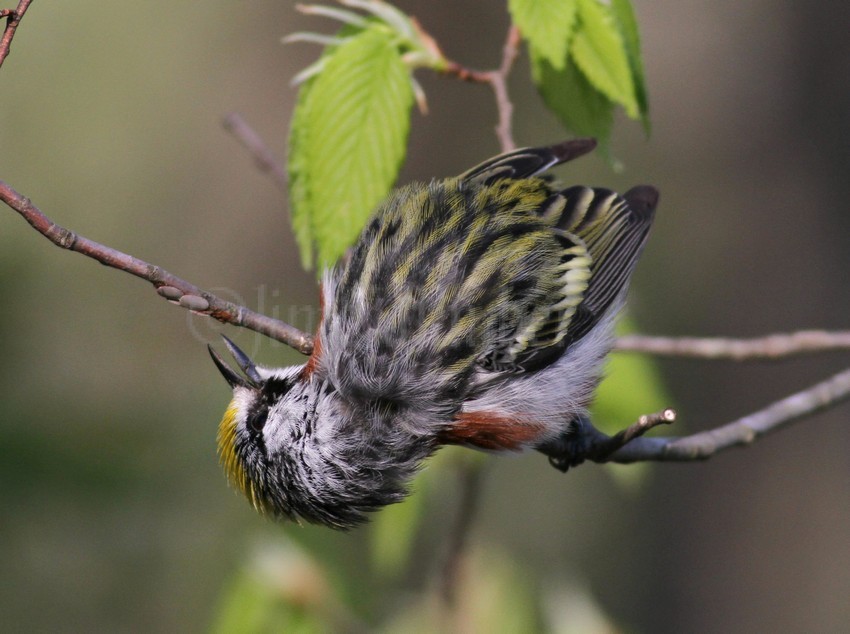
{"x": 171, "y": 287}
{"x": 498, "y": 81}
{"x": 603, "y": 448}
{"x": 13, "y": 19}
{"x": 769, "y": 347}
{"x": 263, "y": 157}
{"x": 627, "y": 446}
{"x": 738, "y": 433}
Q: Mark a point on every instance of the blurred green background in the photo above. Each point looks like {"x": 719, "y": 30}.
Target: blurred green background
{"x": 114, "y": 514}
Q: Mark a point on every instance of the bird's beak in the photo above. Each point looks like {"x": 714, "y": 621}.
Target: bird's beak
{"x": 233, "y": 379}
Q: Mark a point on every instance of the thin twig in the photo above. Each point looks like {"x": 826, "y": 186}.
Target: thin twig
{"x": 13, "y": 19}
{"x": 171, "y": 287}
{"x": 263, "y": 156}
{"x": 741, "y": 432}
{"x": 498, "y": 81}
{"x": 768, "y": 347}
{"x": 604, "y": 448}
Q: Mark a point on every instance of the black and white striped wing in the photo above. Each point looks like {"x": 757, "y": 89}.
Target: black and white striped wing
{"x": 527, "y": 162}
{"x": 602, "y": 235}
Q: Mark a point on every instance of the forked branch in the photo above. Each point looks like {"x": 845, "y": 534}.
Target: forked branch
{"x": 13, "y": 19}
{"x": 630, "y": 445}
{"x": 624, "y": 447}
{"x": 738, "y": 433}
{"x": 497, "y": 80}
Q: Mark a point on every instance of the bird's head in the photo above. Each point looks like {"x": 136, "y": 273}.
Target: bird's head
{"x": 297, "y": 451}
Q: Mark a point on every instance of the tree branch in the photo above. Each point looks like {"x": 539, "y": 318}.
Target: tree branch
{"x": 13, "y": 19}
{"x": 171, "y": 287}
{"x": 626, "y": 446}
{"x": 604, "y": 446}
{"x": 738, "y": 433}
{"x": 769, "y": 347}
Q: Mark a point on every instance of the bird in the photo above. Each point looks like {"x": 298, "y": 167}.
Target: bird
{"x": 476, "y": 310}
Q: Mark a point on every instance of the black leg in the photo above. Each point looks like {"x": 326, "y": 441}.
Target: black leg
{"x": 570, "y": 448}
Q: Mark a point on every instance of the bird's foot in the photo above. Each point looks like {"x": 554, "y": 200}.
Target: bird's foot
{"x": 570, "y": 448}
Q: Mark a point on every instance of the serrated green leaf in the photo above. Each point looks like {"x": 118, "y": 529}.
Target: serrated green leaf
{"x": 578, "y": 105}
{"x": 625, "y": 16}
{"x": 600, "y": 53}
{"x": 547, "y": 25}
{"x": 296, "y": 166}
{"x": 299, "y": 192}
{"x": 353, "y": 124}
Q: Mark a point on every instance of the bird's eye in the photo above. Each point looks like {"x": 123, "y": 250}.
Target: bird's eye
{"x": 257, "y": 418}
{"x": 273, "y": 389}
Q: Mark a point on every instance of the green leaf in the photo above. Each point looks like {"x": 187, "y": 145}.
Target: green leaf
{"x": 599, "y": 51}
{"x": 299, "y": 192}
{"x": 577, "y": 104}
{"x": 353, "y": 119}
{"x": 625, "y": 16}
{"x": 298, "y": 172}
{"x": 547, "y": 25}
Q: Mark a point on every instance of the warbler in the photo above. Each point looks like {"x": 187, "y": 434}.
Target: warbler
{"x": 475, "y": 310}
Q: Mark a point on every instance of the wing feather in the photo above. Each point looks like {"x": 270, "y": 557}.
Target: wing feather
{"x": 527, "y": 162}
{"x": 491, "y": 272}
{"x": 607, "y": 231}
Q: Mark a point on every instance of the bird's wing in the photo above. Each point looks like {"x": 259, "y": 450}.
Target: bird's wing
{"x": 492, "y": 271}
{"x": 602, "y": 235}
{"x": 615, "y": 229}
